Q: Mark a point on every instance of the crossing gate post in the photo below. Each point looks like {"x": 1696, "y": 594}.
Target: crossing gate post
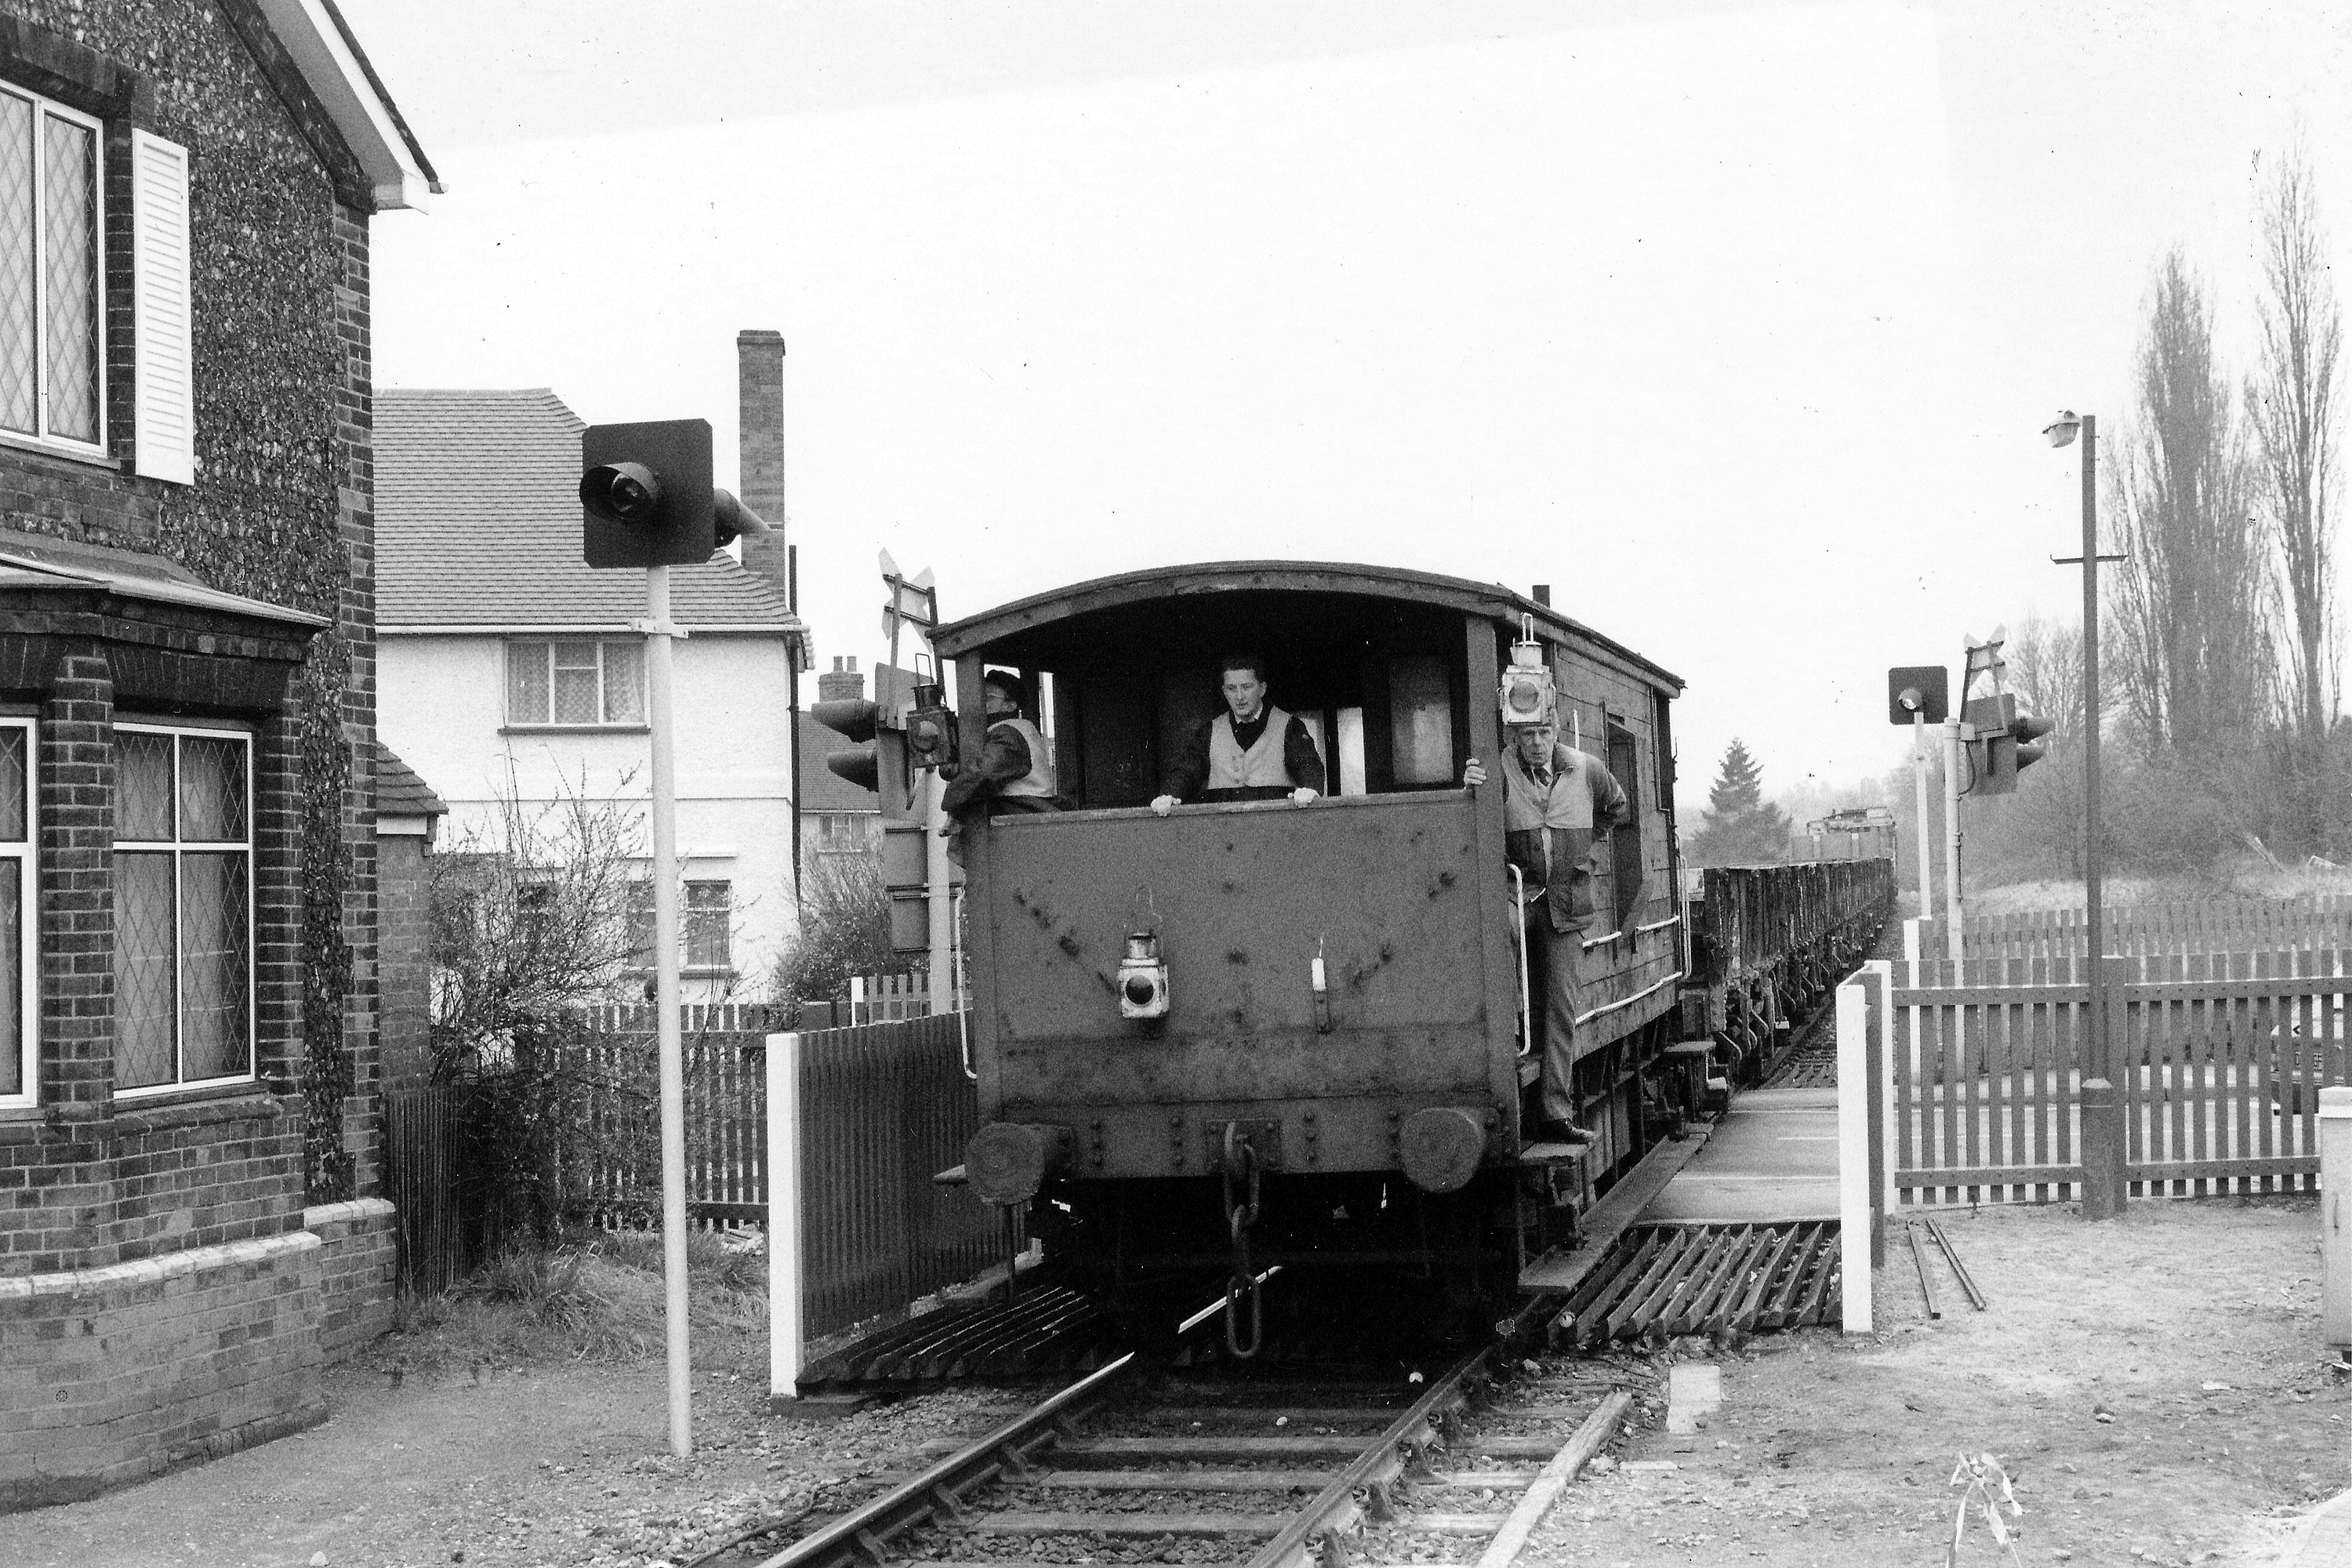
{"x": 2335, "y": 1216}
{"x": 1854, "y": 1183}
{"x": 1878, "y": 984}
{"x": 784, "y": 1263}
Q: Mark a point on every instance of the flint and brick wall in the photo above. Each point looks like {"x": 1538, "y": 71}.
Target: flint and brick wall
{"x": 403, "y": 990}
{"x": 161, "y": 1299}
{"x": 358, "y": 1248}
{"x": 116, "y": 1373}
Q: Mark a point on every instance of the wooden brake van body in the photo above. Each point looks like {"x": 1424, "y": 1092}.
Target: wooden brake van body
{"x": 1383, "y": 1116}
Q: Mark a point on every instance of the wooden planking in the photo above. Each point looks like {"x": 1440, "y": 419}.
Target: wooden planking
{"x": 1563, "y": 1269}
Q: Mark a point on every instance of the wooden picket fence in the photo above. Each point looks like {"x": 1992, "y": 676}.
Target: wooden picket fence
{"x": 422, "y": 1144}
{"x": 2209, "y": 925}
{"x": 874, "y": 999}
{"x": 884, "y": 1107}
{"x": 609, "y": 1158}
{"x": 2221, "y": 1057}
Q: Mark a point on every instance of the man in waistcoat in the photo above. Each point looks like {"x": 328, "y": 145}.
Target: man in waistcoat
{"x": 1252, "y": 750}
{"x": 1014, "y": 770}
{"x": 1558, "y": 806}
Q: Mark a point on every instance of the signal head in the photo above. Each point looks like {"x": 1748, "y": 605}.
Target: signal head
{"x": 645, "y": 494}
{"x": 622, "y": 492}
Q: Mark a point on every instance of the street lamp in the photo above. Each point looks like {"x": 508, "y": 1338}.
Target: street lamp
{"x": 2103, "y": 1115}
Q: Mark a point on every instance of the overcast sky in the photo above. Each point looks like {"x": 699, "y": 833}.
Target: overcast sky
{"x": 1735, "y": 323}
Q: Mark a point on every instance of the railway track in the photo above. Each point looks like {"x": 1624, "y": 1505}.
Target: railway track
{"x": 1285, "y": 1470}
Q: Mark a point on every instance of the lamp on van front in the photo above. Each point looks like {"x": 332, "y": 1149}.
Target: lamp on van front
{"x": 1527, "y": 696}
{"x": 1142, "y": 978}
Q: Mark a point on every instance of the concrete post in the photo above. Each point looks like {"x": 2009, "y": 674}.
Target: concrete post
{"x": 784, "y": 1219}
{"x": 1855, "y": 1173}
{"x": 2336, "y": 1216}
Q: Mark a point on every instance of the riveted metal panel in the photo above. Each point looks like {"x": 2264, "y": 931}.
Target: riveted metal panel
{"x": 1241, "y": 898}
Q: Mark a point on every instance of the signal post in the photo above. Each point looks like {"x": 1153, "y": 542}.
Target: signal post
{"x": 647, "y": 501}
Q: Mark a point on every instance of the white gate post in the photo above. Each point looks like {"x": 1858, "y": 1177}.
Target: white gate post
{"x": 2335, "y": 1216}
{"x": 1854, "y": 1174}
{"x": 783, "y": 1217}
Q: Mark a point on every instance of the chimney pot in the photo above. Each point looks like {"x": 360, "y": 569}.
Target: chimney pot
{"x": 835, "y": 684}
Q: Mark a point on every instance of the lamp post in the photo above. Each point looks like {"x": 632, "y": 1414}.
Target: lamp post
{"x": 2103, "y": 1113}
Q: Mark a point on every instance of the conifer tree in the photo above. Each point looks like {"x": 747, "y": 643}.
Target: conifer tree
{"x": 1742, "y": 828}
{"x": 1738, "y": 787}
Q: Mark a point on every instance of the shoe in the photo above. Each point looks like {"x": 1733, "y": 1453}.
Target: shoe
{"x": 1568, "y": 1132}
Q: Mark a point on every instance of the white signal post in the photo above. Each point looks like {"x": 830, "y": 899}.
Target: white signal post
{"x": 1952, "y": 756}
{"x": 914, "y": 601}
{"x": 938, "y": 906}
{"x": 1919, "y": 780}
{"x": 670, "y": 1046}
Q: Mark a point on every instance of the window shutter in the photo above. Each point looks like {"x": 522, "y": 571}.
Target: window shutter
{"x": 164, "y": 368}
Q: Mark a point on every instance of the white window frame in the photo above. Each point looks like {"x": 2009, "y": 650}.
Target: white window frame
{"x": 546, "y": 647}
{"x": 29, "y": 905}
{"x": 686, "y": 923}
{"x": 42, "y": 437}
{"x": 179, "y": 847}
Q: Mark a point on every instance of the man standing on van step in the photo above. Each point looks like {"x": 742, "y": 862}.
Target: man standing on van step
{"x": 1014, "y": 771}
{"x": 1558, "y": 806}
{"x": 1252, "y": 750}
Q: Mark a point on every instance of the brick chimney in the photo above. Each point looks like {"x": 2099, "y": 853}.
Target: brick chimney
{"x": 759, "y": 447}
{"x": 832, "y": 685}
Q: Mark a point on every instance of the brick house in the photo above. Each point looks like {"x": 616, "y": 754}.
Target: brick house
{"x": 513, "y": 674}
{"x": 188, "y": 1068}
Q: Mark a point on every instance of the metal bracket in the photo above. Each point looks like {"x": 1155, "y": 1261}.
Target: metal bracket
{"x": 1265, "y": 1137}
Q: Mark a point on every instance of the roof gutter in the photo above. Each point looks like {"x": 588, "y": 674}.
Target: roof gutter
{"x": 23, "y": 571}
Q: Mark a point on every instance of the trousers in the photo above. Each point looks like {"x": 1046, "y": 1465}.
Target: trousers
{"x": 1556, "y": 980}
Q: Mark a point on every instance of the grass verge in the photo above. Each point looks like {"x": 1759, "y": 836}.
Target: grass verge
{"x": 596, "y": 1298}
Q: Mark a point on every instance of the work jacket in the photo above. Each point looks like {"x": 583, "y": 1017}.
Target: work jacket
{"x": 1550, "y": 830}
{"x": 1039, "y": 780}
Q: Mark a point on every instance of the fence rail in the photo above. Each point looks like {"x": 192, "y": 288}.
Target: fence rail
{"x": 2219, "y": 1058}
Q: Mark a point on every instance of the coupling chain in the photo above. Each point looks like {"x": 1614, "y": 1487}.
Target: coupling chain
{"x": 1240, "y": 1175}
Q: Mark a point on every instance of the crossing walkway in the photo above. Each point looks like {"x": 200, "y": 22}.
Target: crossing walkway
{"x": 1772, "y": 1158}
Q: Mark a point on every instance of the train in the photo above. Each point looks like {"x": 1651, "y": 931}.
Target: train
{"x": 1329, "y": 1068}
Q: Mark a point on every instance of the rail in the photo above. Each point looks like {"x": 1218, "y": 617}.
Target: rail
{"x": 858, "y": 1536}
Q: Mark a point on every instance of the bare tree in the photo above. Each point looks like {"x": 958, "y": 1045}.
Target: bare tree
{"x": 844, "y": 930}
{"x": 2198, "y": 600}
{"x": 531, "y": 918}
{"x": 2040, "y": 829}
{"x": 2291, "y": 408}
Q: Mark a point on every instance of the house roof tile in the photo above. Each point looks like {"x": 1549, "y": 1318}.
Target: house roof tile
{"x": 399, "y": 792}
{"x": 478, "y": 525}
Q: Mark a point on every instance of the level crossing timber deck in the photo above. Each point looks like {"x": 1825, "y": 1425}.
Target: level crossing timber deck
{"x": 1773, "y": 1158}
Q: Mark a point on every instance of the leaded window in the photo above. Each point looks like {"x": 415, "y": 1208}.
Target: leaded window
{"x": 19, "y": 1007}
{"x": 582, "y": 683}
{"x": 182, "y": 907}
{"x": 51, "y": 360}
